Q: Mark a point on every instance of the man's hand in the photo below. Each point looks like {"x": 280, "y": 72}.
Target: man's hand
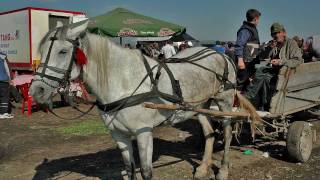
{"x": 241, "y": 64}
{"x": 275, "y": 62}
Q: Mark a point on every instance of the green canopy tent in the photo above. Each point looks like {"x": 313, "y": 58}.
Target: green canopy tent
{"x": 121, "y": 22}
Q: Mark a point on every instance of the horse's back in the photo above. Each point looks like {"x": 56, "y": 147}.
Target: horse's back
{"x": 188, "y": 52}
{"x": 196, "y": 70}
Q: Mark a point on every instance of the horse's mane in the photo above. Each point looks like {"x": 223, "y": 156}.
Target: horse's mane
{"x": 100, "y": 50}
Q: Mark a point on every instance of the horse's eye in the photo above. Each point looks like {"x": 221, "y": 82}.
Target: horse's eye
{"x": 63, "y": 51}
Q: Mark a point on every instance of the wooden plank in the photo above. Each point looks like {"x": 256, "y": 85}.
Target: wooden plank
{"x": 276, "y": 104}
{"x": 204, "y": 111}
{"x": 301, "y": 100}
{"x": 304, "y": 76}
{"x": 305, "y": 79}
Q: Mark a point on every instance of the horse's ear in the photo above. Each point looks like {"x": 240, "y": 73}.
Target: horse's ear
{"x": 76, "y": 29}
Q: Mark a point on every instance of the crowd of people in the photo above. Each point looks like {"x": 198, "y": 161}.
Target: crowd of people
{"x": 159, "y": 50}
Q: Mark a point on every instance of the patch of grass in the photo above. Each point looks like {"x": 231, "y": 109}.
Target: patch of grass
{"x": 84, "y": 128}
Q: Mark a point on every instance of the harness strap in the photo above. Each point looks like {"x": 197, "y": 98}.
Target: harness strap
{"x": 177, "y": 93}
{"x": 224, "y": 77}
{"x": 57, "y": 70}
{"x": 129, "y": 101}
{"x": 149, "y": 71}
{"x": 77, "y": 117}
{"x": 49, "y": 52}
{"x": 136, "y": 99}
{"x": 155, "y": 93}
{"x": 177, "y": 60}
{"x": 68, "y": 72}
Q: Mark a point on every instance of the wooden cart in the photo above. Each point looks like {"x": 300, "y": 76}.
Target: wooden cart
{"x": 296, "y": 90}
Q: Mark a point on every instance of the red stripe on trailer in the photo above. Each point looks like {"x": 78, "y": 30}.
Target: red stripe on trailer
{"x": 20, "y": 64}
{"x": 43, "y": 9}
{"x": 56, "y": 10}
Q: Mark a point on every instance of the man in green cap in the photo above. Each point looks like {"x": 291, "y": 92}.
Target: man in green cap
{"x": 285, "y": 53}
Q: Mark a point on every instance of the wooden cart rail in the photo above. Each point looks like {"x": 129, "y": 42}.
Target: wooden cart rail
{"x": 214, "y": 113}
{"x": 297, "y": 89}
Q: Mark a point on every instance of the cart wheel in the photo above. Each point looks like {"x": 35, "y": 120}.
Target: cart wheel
{"x": 299, "y": 141}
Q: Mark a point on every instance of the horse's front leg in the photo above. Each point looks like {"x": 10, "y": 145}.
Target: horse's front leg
{"x": 125, "y": 145}
{"x": 145, "y": 145}
{"x": 202, "y": 170}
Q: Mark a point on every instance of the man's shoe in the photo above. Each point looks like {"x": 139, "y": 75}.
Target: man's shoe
{"x": 6, "y": 116}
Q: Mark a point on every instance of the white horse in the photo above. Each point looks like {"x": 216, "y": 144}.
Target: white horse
{"x": 113, "y": 73}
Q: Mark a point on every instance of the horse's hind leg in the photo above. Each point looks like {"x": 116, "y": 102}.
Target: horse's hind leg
{"x": 225, "y": 104}
{"x": 202, "y": 170}
{"x": 125, "y": 146}
{"x": 145, "y": 145}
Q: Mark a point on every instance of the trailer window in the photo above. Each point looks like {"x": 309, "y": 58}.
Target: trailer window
{"x": 53, "y": 20}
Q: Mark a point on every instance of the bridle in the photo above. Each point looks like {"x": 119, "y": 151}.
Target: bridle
{"x": 64, "y": 81}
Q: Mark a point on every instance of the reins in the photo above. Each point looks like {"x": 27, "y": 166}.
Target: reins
{"x": 77, "y": 117}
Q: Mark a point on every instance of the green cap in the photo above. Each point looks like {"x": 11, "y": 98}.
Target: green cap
{"x": 276, "y": 27}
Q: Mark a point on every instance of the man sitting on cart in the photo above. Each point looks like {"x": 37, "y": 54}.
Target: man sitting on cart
{"x": 285, "y": 53}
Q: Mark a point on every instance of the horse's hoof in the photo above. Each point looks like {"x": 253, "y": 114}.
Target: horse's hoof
{"x": 223, "y": 174}
{"x": 203, "y": 172}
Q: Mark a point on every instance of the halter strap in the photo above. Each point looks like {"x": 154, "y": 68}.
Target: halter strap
{"x": 66, "y": 72}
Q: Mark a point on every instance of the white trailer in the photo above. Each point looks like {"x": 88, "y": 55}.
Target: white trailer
{"x": 21, "y": 31}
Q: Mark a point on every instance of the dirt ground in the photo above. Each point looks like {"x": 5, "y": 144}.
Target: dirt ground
{"x": 30, "y": 148}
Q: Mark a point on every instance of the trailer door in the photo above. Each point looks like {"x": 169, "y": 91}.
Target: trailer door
{"x": 53, "y": 20}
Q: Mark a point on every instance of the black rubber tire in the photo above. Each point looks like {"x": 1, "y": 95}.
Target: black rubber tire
{"x": 299, "y": 141}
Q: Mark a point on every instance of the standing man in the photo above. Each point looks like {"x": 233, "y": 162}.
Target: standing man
{"x": 247, "y": 47}
{"x": 168, "y": 50}
{"x": 4, "y": 87}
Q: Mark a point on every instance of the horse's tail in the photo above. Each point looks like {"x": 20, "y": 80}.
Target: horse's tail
{"x": 245, "y": 104}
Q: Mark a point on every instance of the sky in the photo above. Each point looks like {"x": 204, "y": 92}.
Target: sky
{"x": 204, "y": 19}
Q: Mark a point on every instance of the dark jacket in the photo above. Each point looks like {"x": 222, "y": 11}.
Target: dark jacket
{"x": 249, "y": 49}
{"x": 4, "y": 69}
{"x": 253, "y": 30}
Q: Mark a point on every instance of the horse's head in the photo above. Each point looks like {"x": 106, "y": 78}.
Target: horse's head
{"x": 61, "y": 60}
